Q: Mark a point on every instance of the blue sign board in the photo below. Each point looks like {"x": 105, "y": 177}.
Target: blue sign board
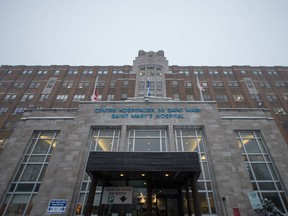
{"x": 57, "y": 206}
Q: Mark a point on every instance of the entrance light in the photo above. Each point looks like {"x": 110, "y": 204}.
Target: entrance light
{"x": 166, "y": 174}
{"x": 121, "y": 174}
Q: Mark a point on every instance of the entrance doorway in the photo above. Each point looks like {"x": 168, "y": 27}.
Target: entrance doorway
{"x": 162, "y": 177}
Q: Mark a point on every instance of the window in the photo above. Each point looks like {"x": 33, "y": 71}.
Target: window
{"x": 9, "y": 97}
{"x": 243, "y": 72}
{"x": 18, "y": 84}
{"x": 67, "y": 84}
{"x": 279, "y": 111}
{"x": 100, "y": 72}
{"x": 257, "y": 73}
{"x": 264, "y": 84}
{"x": 285, "y": 96}
{"x": 176, "y": 96}
{"x": 112, "y": 84}
{"x": 206, "y": 97}
{"x": 217, "y": 84}
{"x": 42, "y": 72}
{"x": 174, "y": 83}
{"x": 105, "y": 140}
{"x": 3, "y": 110}
{"x": 78, "y": 97}
{"x": 83, "y": 84}
{"x": 34, "y": 85}
{"x": 110, "y": 97}
{"x": 62, "y": 97}
{"x": 43, "y": 97}
{"x": 101, "y": 84}
{"x": 26, "y": 184}
{"x": 87, "y": 72}
{"x": 221, "y": 97}
{"x": 124, "y": 96}
{"x": 159, "y": 73}
{"x": 271, "y": 97}
{"x": 18, "y": 110}
{"x": 159, "y": 85}
{"x": 72, "y": 72}
{"x": 188, "y": 84}
{"x": 260, "y": 168}
{"x": 147, "y": 140}
{"x": 228, "y": 73}
{"x": 26, "y": 97}
{"x": 256, "y": 97}
{"x": 27, "y": 72}
{"x": 50, "y": 84}
{"x": 191, "y": 140}
{"x": 141, "y": 85}
{"x": 189, "y": 97}
{"x": 125, "y": 82}
{"x": 213, "y": 73}
{"x": 281, "y": 84}
{"x": 57, "y": 72}
{"x": 198, "y": 72}
{"x": 185, "y": 72}
{"x": 233, "y": 84}
{"x": 238, "y": 98}
{"x": 273, "y": 73}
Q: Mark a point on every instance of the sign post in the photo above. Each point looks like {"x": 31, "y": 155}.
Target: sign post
{"x": 57, "y": 206}
{"x": 117, "y": 195}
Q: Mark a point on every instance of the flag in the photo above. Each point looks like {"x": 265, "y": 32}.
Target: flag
{"x": 200, "y": 86}
{"x": 95, "y": 95}
{"x": 148, "y": 88}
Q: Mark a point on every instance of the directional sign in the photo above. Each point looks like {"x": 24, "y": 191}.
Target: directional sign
{"x": 57, "y": 206}
{"x": 117, "y": 195}
{"x": 255, "y": 201}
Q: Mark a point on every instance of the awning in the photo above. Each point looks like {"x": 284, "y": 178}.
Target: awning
{"x": 162, "y": 169}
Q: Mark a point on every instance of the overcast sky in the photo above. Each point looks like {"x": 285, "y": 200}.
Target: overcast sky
{"x": 110, "y": 32}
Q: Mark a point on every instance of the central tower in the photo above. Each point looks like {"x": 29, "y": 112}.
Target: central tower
{"x": 150, "y": 66}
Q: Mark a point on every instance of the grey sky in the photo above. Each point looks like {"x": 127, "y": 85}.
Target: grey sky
{"x": 110, "y": 32}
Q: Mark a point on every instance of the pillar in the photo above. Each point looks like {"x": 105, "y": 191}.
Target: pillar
{"x": 195, "y": 197}
{"x": 180, "y": 201}
{"x": 91, "y": 195}
{"x": 189, "y": 209}
{"x": 149, "y": 198}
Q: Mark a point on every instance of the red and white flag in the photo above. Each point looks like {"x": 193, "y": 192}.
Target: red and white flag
{"x": 95, "y": 95}
{"x": 201, "y": 88}
{"x": 200, "y": 85}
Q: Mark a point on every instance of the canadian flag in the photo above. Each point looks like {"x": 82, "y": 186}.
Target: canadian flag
{"x": 95, "y": 95}
{"x": 200, "y": 85}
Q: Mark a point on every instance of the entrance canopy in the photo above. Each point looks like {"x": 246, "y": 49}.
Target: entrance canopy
{"x": 161, "y": 169}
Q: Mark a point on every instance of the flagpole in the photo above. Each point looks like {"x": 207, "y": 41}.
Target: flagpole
{"x": 199, "y": 87}
{"x": 95, "y": 86}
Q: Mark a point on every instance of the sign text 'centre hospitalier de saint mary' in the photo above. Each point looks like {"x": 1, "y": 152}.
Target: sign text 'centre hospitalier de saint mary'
{"x": 147, "y": 112}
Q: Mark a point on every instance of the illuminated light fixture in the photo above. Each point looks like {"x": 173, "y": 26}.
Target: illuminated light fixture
{"x": 166, "y": 174}
{"x": 121, "y": 174}
{"x": 143, "y": 174}
{"x": 144, "y": 183}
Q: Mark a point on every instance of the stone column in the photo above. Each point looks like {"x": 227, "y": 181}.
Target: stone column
{"x": 91, "y": 195}
{"x": 195, "y": 197}
{"x": 189, "y": 209}
{"x": 149, "y": 198}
